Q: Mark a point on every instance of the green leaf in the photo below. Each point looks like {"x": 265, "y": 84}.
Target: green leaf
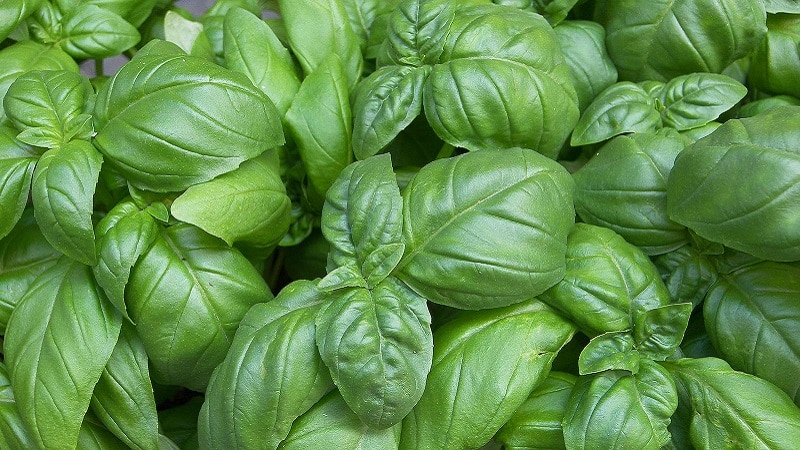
{"x": 363, "y": 15}
{"x": 14, "y": 12}
{"x": 319, "y": 28}
{"x": 13, "y": 431}
{"x": 633, "y": 409}
{"x": 607, "y": 283}
{"x": 779, "y": 6}
{"x": 133, "y": 12}
{"x": 753, "y": 319}
{"x": 93, "y": 436}
{"x": 623, "y": 107}
{"x": 378, "y": 346}
{"x": 624, "y": 187}
{"x": 417, "y": 32}
{"x": 15, "y": 184}
{"x": 321, "y": 122}
{"x": 610, "y": 351}
{"x": 485, "y": 365}
{"x": 687, "y": 273}
{"x": 251, "y": 47}
{"x": 330, "y": 420}
{"x": 271, "y": 375}
{"x": 732, "y": 409}
{"x": 89, "y": 31}
{"x": 24, "y": 254}
{"x": 186, "y": 119}
{"x": 248, "y": 205}
{"x": 756, "y": 215}
{"x": 777, "y": 56}
{"x": 187, "y": 295}
{"x": 659, "y": 331}
{"x": 362, "y": 219}
{"x": 179, "y": 423}
{"x": 53, "y": 102}
{"x": 184, "y": 33}
{"x": 471, "y": 222}
{"x": 537, "y": 423}
{"x": 123, "y": 397}
{"x": 696, "y": 99}
{"x": 63, "y": 188}
{"x": 57, "y": 343}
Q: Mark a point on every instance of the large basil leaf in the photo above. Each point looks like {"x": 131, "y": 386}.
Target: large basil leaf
{"x": 731, "y": 409}
{"x": 187, "y": 295}
{"x": 608, "y": 281}
{"x": 330, "y": 420}
{"x": 24, "y": 255}
{"x": 62, "y": 191}
{"x": 378, "y": 346}
{"x": 167, "y": 121}
{"x": 13, "y": 431}
{"x": 57, "y": 343}
{"x": 50, "y": 107}
{"x": 693, "y": 100}
{"x": 583, "y": 44}
{"x": 88, "y": 31}
{"x": 624, "y": 188}
{"x": 618, "y": 410}
{"x": 318, "y": 28}
{"x": 757, "y": 214}
{"x": 25, "y": 56}
{"x": 537, "y": 423}
{"x": 251, "y": 47}
{"x": 485, "y": 365}
{"x": 687, "y": 273}
{"x": 417, "y": 31}
{"x": 271, "y": 375}
{"x": 15, "y": 12}
{"x": 499, "y": 219}
{"x": 778, "y": 56}
{"x": 753, "y": 319}
{"x": 623, "y": 107}
{"x": 322, "y": 125}
{"x": 667, "y": 38}
{"x": 123, "y": 397}
{"x": 248, "y": 205}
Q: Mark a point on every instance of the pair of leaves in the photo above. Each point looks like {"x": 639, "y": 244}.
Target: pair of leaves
{"x": 683, "y": 103}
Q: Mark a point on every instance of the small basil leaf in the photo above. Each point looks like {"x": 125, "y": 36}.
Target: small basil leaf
{"x": 378, "y": 346}
{"x": 25, "y": 56}
{"x": 696, "y": 99}
{"x": 416, "y": 33}
{"x": 659, "y": 331}
{"x": 347, "y": 276}
{"x": 186, "y": 34}
{"x": 384, "y": 104}
{"x": 179, "y": 424}
{"x": 248, "y": 205}
{"x": 485, "y": 365}
{"x": 687, "y": 273}
{"x": 274, "y": 346}
{"x": 123, "y": 397}
{"x": 331, "y": 420}
{"x": 251, "y": 47}
{"x": 57, "y": 343}
{"x": 15, "y": 179}
{"x": 63, "y": 189}
{"x": 507, "y": 202}
{"x": 621, "y": 108}
{"x": 733, "y": 408}
{"x": 13, "y": 431}
{"x": 634, "y": 409}
{"x": 89, "y": 31}
{"x": 609, "y": 351}
{"x": 537, "y": 423}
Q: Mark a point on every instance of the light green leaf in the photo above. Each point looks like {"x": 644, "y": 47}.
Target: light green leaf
{"x": 14, "y": 12}
{"x": 378, "y": 346}
{"x": 89, "y": 31}
{"x": 57, "y": 343}
{"x": 133, "y": 12}
{"x": 182, "y": 32}
{"x": 609, "y": 351}
{"x": 778, "y": 56}
{"x": 13, "y": 431}
{"x": 417, "y": 32}
{"x": 15, "y": 185}
{"x": 786, "y": 6}
{"x": 693, "y": 100}
{"x": 623, "y": 107}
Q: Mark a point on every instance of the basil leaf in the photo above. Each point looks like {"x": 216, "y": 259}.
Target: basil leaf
{"x": 179, "y": 423}
{"x": 753, "y": 319}
{"x": 133, "y": 12}
{"x": 777, "y": 56}
{"x": 362, "y": 219}
{"x": 609, "y": 351}
{"x": 93, "y": 436}
{"x": 472, "y": 392}
{"x": 62, "y": 190}
{"x": 13, "y": 431}
{"x": 57, "y": 343}
{"x": 624, "y": 187}
{"x": 733, "y": 409}
{"x": 623, "y": 107}
{"x": 756, "y": 216}
{"x": 248, "y": 205}
{"x": 378, "y": 346}
{"x": 53, "y": 102}
{"x": 273, "y": 347}
{"x": 15, "y": 12}
{"x": 634, "y": 409}
{"x": 362, "y": 14}
{"x": 696, "y": 99}
{"x": 15, "y": 183}
{"x": 318, "y": 28}
{"x": 251, "y": 47}
{"x": 537, "y": 423}
{"x": 188, "y": 120}
{"x": 417, "y": 32}
{"x": 330, "y": 420}
{"x": 321, "y": 122}
{"x": 123, "y": 397}
{"x": 188, "y": 35}
{"x": 687, "y": 274}
{"x": 187, "y": 295}
{"x": 88, "y": 31}
{"x": 25, "y": 56}
{"x": 607, "y": 282}
{"x": 508, "y": 202}
{"x": 779, "y": 6}
{"x": 659, "y": 331}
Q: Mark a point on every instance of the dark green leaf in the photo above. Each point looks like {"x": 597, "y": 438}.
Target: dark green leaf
{"x": 687, "y": 273}
{"x": 621, "y": 108}
{"x": 93, "y": 436}
{"x": 696, "y": 99}
{"x": 609, "y": 351}
{"x": 15, "y": 185}
{"x": 13, "y": 431}
{"x": 179, "y": 423}
{"x": 659, "y": 331}
{"x": 778, "y": 56}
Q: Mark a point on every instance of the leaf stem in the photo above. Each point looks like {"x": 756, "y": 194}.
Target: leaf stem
{"x": 98, "y": 67}
{"x": 275, "y": 270}
{"x": 446, "y": 151}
